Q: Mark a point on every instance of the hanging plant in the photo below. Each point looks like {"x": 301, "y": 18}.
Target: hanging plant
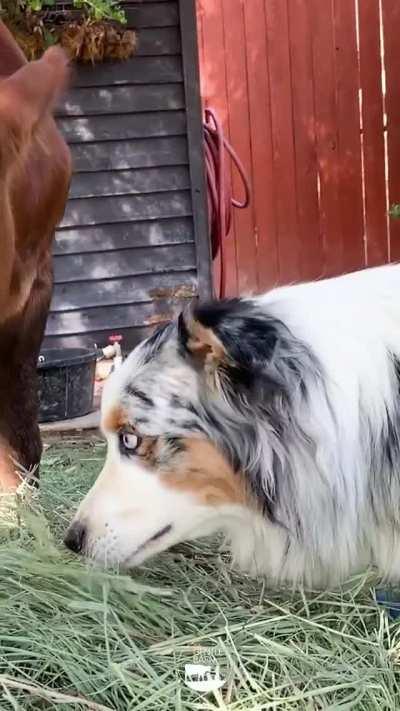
{"x": 89, "y": 30}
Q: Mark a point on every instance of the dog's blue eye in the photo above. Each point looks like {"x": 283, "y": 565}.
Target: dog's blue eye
{"x": 128, "y": 442}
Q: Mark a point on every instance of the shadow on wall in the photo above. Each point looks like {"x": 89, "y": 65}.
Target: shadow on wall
{"x": 124, "y": 256}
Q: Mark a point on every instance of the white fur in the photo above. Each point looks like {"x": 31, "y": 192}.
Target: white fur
{"x": 352, "y": 325}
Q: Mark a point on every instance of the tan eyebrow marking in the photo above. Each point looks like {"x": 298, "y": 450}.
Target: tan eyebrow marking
{"x": 204, "y": 472}
{"x": 115, "y": 420}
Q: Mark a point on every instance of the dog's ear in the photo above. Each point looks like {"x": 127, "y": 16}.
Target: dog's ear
{"x": 255, "y": 353}
{"x": 231, "y": 333}
{"x": 199, "y": 341}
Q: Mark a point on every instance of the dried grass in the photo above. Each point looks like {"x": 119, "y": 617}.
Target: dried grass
{"x": 75, "y": 637}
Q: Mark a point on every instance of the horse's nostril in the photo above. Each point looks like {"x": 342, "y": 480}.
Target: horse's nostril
{"x": 75, "y": 537}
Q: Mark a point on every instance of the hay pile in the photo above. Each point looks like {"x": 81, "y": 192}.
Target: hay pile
{"x": 79, "y": 638}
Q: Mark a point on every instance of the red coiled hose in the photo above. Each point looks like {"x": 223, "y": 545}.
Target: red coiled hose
{"x": 220, "y": 199}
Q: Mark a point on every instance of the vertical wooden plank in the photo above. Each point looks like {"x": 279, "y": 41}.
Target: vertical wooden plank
{"x": 263, "y": 199}
{"x": 212, "y": 57}
{"x": 301, "y": 58}
{"x": 190, "y": 59}
{"x": 349, "y": 130}
{"x": 200, "y": 42}
{"x": 283, "y": 141}
{"x": 373, "y": 139}
{"x": 391, "y": 25}
{"x": 239, "y": 129}
{"x": 215, "y": 96}
{"x": 327, "y": 134}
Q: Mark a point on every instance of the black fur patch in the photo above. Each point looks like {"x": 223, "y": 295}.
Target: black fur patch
{"x": 140, "y": 395}
{"x": 142, "y": 420}
{"x": 187, "y": 425}
{"x": 248, "y": 335}
{"x": 264, "y": 358}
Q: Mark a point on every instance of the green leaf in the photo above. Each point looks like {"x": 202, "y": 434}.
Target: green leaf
{"x": 50, "y": 38}
{"x": 96, "y": 9}
{"x": 395, "y": 211}
{"x": 102, "y": 9}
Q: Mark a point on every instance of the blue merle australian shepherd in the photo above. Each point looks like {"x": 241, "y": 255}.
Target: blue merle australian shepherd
{"x": 274, "y": 420}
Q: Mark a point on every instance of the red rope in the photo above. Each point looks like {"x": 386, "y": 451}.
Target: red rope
{"x": 220, "y": 198}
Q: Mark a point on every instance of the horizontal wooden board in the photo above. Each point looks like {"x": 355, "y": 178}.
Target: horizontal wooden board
{"x": 94, "y": 101}
{"x": 113, "y": 318}
{"x": 130, "y": 338}
{"x": 164, "y": 14}
{"x": 159, "y": 41}
{"x": 123, "y": 127}
{"x": 123, "y": 155}
{"x": 139, "y": 289}
{"x": 130, "y": 182}
{"x": 127, "y": 262}
{"x": 127, "y": 208}
{"x": 138, "y": 70}
{"x": 123, "y": 235}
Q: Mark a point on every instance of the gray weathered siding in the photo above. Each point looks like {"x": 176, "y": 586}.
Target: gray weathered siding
{"x": 127, "y": 252}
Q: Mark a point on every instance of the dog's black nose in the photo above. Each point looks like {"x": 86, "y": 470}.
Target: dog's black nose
{"x": 75, "y": 537}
